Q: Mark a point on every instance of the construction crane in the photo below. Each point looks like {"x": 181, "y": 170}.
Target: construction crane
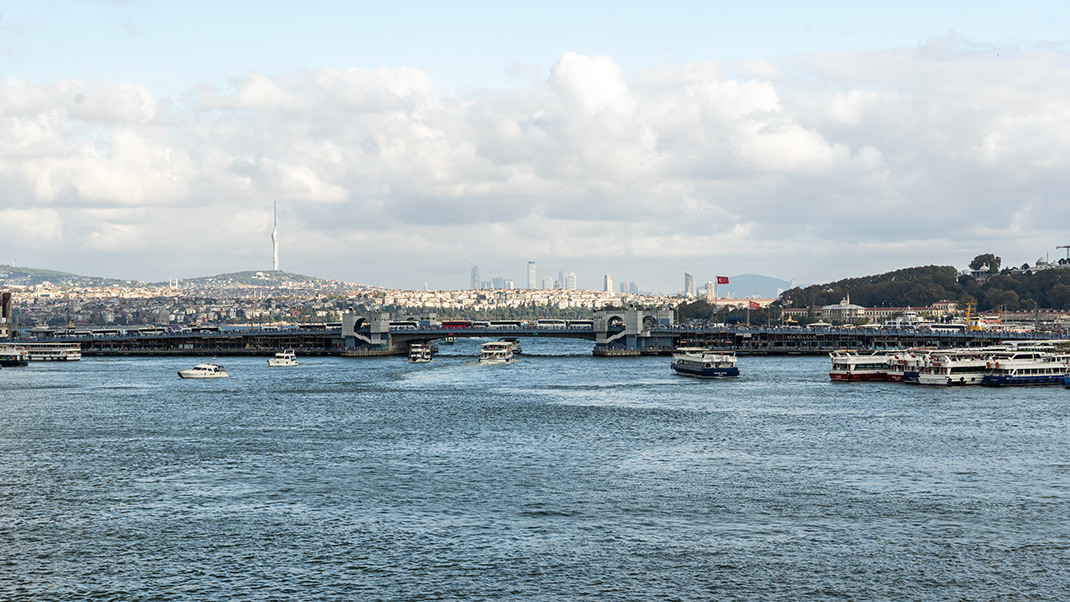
{"x": 1067, "y": 247}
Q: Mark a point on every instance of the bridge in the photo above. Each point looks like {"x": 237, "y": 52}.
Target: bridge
{"x": 614, "y": 333}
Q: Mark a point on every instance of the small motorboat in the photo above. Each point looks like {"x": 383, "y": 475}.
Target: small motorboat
{"x": 211, "y": 370}
{"x": 284, "y": 358}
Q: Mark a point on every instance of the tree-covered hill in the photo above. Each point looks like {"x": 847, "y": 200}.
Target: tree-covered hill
{"x": 1008, "y": 289}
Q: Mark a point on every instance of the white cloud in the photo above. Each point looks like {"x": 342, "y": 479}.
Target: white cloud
{"x": 818, "y": 168}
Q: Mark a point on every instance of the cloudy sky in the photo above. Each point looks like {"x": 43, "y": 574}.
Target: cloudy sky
{"x": 406, "y": 141}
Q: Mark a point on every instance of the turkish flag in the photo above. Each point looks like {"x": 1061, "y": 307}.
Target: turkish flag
{"x": 754, "y": 305}
{"x": 722, "y": 280}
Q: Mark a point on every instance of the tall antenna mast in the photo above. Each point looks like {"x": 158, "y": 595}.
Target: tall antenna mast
{"x": 275, "y": 238}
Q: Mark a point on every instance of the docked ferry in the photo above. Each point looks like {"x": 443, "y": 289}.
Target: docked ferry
{"x": 11, "y": 357}
{"x": 1028, "y": 369}
{"x": 848, "y": 365}
{"x": 59, "y": 352}
{"x": 704, "y": 363}
{"x": 957, "y": 366}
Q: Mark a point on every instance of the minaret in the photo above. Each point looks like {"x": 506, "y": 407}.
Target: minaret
{"x": 275, "y": 239}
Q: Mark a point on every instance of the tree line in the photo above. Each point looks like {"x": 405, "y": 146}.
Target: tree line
{"x": 987, "y": 286}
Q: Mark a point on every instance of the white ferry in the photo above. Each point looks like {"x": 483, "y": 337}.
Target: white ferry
{"x": 210, "y": 370}
{"x": 704, "y": 363}
{"x": 12, "y": 357}
{"x": 59, "y": 352}
{"x": 905, "y": 366}
{"x": 1028, "y": 368}
{"x": 284, "y": 358}
{"x": 496, "y": 352}
{"x": 850, "y": 365}
{"x": 419, "y": 353}
{"x": 514, "y": 345}
{"x": 957, "y": 366}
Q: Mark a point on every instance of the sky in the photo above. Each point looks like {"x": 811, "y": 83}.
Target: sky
{"x": 405, "y": 142}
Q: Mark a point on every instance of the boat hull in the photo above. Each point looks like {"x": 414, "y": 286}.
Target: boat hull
{"x": 858, "y": 376}
{"x": 992, "y": 380}
{"x": 700, "y": 372}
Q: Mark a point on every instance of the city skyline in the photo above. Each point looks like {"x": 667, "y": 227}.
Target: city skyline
{"x": 143, "y": 140}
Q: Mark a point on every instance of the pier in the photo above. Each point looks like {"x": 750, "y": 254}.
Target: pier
{"x": 620, "y": 333}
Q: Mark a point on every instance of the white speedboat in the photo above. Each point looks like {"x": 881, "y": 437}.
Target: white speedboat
{"x": 204, "y": 371}
{"x": 704, "y": 363}
{"x": 496, "y": 352}
{"x": 419, "y": 353}
{"x": 284, "y": 358}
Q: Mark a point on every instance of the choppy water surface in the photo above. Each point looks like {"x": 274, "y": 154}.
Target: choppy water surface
{"x": 559, "y": 477}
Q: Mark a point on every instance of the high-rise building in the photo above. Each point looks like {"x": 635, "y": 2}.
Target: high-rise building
{"x": 711, "y": 291}
{"x": 607, "y": 284}
{"x": 570, "y": 281}
{"x": 633, "y": 288}
{"x": 531, "y": 275}
{"x": 475, "y": 276}
{"x": 689, "y": 285}
{"x": 547, "y": 282}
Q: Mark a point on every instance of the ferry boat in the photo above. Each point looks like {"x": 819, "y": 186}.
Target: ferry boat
{"x": 58, "y": 352}
{"x": 1021, "y": 369}
{"x": 284, "y": 358}
{"x": 12, "y": 357}
{"x": 210, "y": 370}
{"x": 850, "y": 365}
{"x": 957, "y": 366}
{"x": 905, "y": 366}
{"x": 703, "y": 363}
{"x": 419, "y": 353}
{"x": 515, "y": 344}
{"x": 496, "y": 352}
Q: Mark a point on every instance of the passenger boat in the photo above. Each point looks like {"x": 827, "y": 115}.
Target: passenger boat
{"x": 59, "y": 352}
{"x": 1028, "y": 368}
{"x": 284, "y": 358}
{"x": 850, "y": 365}
{"x": 515, "y": 343}
{"x": 12, "y": 357}
{"x": 905, "y": 366}
{"x": 957, "y": 366}
{"x": 204, "y": 371}
{"x": 496, "y": 352}
{"x": 419, "y": 353}
{"x": 703, "y": 363}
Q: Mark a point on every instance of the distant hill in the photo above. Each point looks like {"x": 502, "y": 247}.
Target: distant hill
{"x": 753, "y": 285}
{"x": 22, "y": 276}
{"x": 264, "y": 278}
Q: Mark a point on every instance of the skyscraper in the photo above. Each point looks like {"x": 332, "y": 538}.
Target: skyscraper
{"x": 570, "y": 281}
{"x": 475, "y": 276}
{"x": 607, "y": 285}
{"x": 689, "y": 285}
{"x": 531, "y": 275}
{"x": 275, "y": 239}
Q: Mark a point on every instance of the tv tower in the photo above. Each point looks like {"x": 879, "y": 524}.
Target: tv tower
{"x": 275, "y": 239}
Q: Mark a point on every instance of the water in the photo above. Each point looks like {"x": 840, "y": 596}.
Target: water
{"x": 559, "y": 477}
